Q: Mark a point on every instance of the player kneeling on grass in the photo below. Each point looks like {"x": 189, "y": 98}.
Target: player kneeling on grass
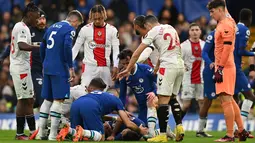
{"x": 142, "y": 82}
{"x": 86, "y": 113}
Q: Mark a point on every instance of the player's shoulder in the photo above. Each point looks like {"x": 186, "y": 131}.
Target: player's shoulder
{"x": 243, "y": 29}
{"x": 20, "y": 25}
{"x": 185, "y": 43}
{"x": 144, "y": 67}
{"x": 87, "y": 26}
{"x": 109, "y": 26}
{"x": 201, "y": 41}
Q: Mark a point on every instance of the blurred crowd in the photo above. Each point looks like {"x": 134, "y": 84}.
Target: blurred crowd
{"x": 118, "y": 15}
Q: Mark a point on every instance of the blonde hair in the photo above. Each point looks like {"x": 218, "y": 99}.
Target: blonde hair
{"x": 77, "y": 14}
{"x": 97, "y": 8}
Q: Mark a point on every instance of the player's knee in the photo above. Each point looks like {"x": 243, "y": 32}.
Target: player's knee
{"x": 186, "y": 104}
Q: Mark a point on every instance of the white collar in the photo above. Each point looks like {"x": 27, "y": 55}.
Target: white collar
{"x": 135, "y": 69}
{"x": 241, "y": 23}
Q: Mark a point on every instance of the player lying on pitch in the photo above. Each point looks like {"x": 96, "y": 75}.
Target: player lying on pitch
{"x": 86, "y": 113}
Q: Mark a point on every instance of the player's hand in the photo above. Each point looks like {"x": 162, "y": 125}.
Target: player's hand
{"x": 218, "y": 75}
{"x": 123, "y": 74}
{"x": 212, "y": 66}
{"x": 143, "y": 130}
{"x": 252, "y": 75}
{"x": 129, "y": 114}
{"x": 110, "y": 138}
{"x": 253, "y": 47}
{"x": 150, "y": 96}
{"x": 72, "y": 75}
{"x": 114, "y": 73}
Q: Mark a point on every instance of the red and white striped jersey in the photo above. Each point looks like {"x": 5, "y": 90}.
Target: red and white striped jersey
{"x": 192, "y": 56}
{"x": 20, "y": 60}
{"x": 166, "y": 40}
{"x": 98, "y": 42}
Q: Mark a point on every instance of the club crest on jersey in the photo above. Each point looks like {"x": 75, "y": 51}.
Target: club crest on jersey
{"x": 33, "y": 34}
{"x": 99, "y": 33}
{"x": 140, "y": 80}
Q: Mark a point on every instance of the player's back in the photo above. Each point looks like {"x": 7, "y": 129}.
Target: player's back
{"x": 226, "y": 30}
{"x": 54, "y": 62}
{"x": 165, "y": 38}
{"x": 107, "y": 102}
{"x": 242, "y": 36}
{"x": 19, "y": 59}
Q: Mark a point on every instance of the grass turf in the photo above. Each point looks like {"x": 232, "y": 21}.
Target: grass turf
{"x": 7, "y": 136}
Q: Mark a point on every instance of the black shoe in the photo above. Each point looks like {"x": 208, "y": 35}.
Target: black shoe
{"x": 243, "y": 135}
{"x": 203, "y": 134}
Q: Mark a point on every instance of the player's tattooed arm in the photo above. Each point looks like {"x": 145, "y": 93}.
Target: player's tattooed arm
{"x": 123, "y": 115}
{"x": 26, "y": 47}
{"x": 109, "y": 118}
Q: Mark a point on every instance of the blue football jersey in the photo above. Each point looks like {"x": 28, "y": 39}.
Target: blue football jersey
{"x": 208, "y": 50}
{"x": 242, "y": 36}
{"x": 56, "y": 49}
{"x": 106, "y": 101}
{"x": 141, "y": 82}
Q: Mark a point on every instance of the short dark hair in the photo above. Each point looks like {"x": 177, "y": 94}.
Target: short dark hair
{"x": 124, "y": 54}
{"x": 98, "y": 83}
{"x": 77, "y": 14}
{"x": 245, "y": 14}
{"x": 139, "y": 20}
{"x": 31, "y": 7}
{"x": 215, "y": 4}
{"x": 150, "y": 19}
{"x": 131, "y": 136}
{"x": 193, "y": 24}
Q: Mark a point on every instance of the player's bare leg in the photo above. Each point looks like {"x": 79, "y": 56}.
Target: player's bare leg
{"x": 20, "y": 119}
{"x": 203, "y": 113}
{"x": 30, "y": 115}
{"x": 185, "y": 106}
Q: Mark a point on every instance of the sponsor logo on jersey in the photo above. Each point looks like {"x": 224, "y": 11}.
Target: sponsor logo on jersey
{"x": 138, "y": 89}
{"x": 92, "y": 45}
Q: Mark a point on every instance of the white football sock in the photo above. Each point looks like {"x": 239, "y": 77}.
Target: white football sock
{"x": 246, "y": 106}
{"x": 93, "y": 135}
{"x": 55, "y": 116}
{"x": 202, "y": 124}
{"x": 44, "y": 114}
{"x": 151, "y": 119}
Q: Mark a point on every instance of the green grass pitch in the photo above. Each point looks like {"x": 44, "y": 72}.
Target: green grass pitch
{"x": 8, "y": 137}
